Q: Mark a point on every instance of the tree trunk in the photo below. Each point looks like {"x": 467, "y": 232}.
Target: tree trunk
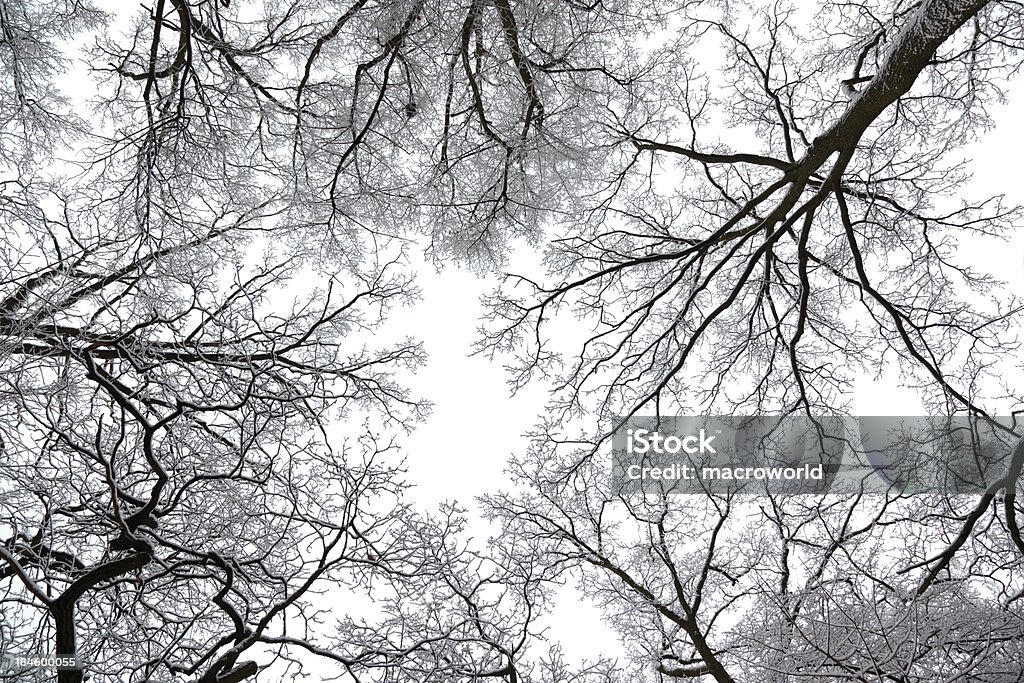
{"x": 63, "y": 612}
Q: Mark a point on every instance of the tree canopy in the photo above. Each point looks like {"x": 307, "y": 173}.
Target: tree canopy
{"x": 207, "y": 208}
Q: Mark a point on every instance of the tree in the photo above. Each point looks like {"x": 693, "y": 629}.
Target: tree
{"x": 175, "y": 489}
{"x": 760, "y": 276}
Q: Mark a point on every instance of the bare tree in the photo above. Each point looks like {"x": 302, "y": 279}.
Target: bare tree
{"x": 177, "y": 352}
{"x": 764, "y": 274}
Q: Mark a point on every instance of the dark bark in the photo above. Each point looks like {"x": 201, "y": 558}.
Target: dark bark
{"x": 63, "y": 608}
{"x": 913, "y": 48}
{"x": 63, "y": 612}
